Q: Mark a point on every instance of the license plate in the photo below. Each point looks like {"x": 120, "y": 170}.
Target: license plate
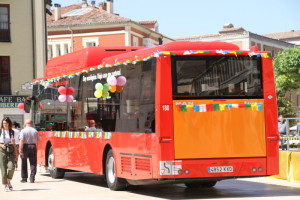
{"x": 220, "y": 169}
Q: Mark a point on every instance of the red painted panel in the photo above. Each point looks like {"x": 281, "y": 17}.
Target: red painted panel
{"x": 164, "y": 112}
{"x": 272, "y": 135}
{"x": 82, "y": 59}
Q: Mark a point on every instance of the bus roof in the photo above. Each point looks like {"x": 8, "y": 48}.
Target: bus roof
{"x": 177, "y": 46}
{"x": 79, "y": 60}
{"x": 92, "y": 56}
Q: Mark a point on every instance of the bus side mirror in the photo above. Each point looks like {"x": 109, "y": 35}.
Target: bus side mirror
{"x": 27, "y": 106}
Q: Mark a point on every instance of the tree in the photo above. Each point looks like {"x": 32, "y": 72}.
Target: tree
{"x": 287, "y": 78}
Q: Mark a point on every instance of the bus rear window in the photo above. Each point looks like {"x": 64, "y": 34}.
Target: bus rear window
{"x": 216, "y": 77}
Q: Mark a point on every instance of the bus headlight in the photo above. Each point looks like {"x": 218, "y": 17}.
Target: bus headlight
{"x": 254, "y": 169}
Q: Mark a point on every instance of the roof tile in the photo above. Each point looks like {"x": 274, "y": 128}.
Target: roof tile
{"x": 95, "y": 16}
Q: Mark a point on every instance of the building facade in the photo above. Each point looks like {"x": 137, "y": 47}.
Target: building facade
{"x": 22, "y": 52}
{"x": 244, "y": 39}
{"x": 292, "y": 36}
{"x": 82, "y": 25}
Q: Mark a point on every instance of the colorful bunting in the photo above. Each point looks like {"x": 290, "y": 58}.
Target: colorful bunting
{"x": 218, "y": 107}
{"x": 45, "y": 82}
{"x": 82, "y": 135}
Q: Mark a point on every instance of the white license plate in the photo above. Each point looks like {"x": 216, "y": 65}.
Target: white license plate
{"x": 220, "y": 169}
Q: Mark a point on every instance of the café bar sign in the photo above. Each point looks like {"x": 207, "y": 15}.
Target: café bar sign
{"x": 11, "y": 101}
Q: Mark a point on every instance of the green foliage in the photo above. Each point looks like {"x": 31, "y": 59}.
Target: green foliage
{"x": 287, "y": 70}
{"x": 287, "y": 78}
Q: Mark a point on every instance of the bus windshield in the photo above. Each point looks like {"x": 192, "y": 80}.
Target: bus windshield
{"x": 216, "y": 77}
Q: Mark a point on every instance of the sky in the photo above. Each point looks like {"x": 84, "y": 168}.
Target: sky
{"x": 178, "y": 18}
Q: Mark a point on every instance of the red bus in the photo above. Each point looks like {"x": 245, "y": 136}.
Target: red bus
{"x": 183, "y": 112}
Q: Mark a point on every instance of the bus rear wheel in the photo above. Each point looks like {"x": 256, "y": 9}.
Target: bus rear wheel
{"x": 113, "y": 182}
{"x": 54, "y": 172}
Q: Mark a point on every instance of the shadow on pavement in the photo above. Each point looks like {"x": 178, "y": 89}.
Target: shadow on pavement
{"x": 82, "y": 177}
{"x": 223, "y": 189}
{"x": 30, "y": 190}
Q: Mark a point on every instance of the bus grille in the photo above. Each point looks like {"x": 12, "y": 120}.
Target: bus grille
{"x": 126, "y": 164}
{"x": 142, "y": 164}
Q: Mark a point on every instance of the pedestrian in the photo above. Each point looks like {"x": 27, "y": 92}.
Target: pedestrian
{"x": 15, "y": 127}
{"x": 298, "y": 128}
{"x": 29, "y": 143}
{"x": 282, "y": 131}
{"x": 8, "y": 153}
{"x": 92, "y": 127}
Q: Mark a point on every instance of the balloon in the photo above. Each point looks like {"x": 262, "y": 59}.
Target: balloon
{"x": 121, "y": 81}
{"x": 106, "y": 87}
{"x": 70, "y": 91}
{"x": 112, "y": 88}
{"x": 21, "y": 106}
{"x": 62, "y": 90}
{"x": 62, "y": 98}
{"x": 105, "y": 94}
{"x": 119, "y": 89}
{"x": 98, "y": 94}
{"x": 111, "y": 80}
{"x": 99, "y": 87}
{"x": 70, "y": 98}
{"x": 41, "y": 106}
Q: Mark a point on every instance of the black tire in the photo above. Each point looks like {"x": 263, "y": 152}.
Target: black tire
{"x": 209, "y": 184}
{"x": 194, "y": 184}
{"x": 113, "y": 182}
{"x": 54, "y": 172}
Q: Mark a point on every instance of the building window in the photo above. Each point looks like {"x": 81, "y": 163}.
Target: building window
{"x": 50, "y": 52}
{"x": 259, "y": 46}
{"x": 4, "y": 75}
{"x": 66, "y": 48}
{"x": 58, "y": 52}
{"x": 90, "y": 42}
{"x": 4, "y": 23}
{"x": 135, "y": 41}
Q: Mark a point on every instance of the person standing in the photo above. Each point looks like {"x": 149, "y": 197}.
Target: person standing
{"x": 282, "y": 131}
{"x": 8, "y": 153}
{"x": 15, "y": 127}
{"x": 29, "y": 142}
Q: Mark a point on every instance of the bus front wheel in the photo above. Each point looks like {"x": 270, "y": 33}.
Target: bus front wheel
{"x": 54, "y": 172}
{"x": 113, "y": 182}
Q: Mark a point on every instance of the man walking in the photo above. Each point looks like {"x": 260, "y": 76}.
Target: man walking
{"x": 29, "y": 142}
